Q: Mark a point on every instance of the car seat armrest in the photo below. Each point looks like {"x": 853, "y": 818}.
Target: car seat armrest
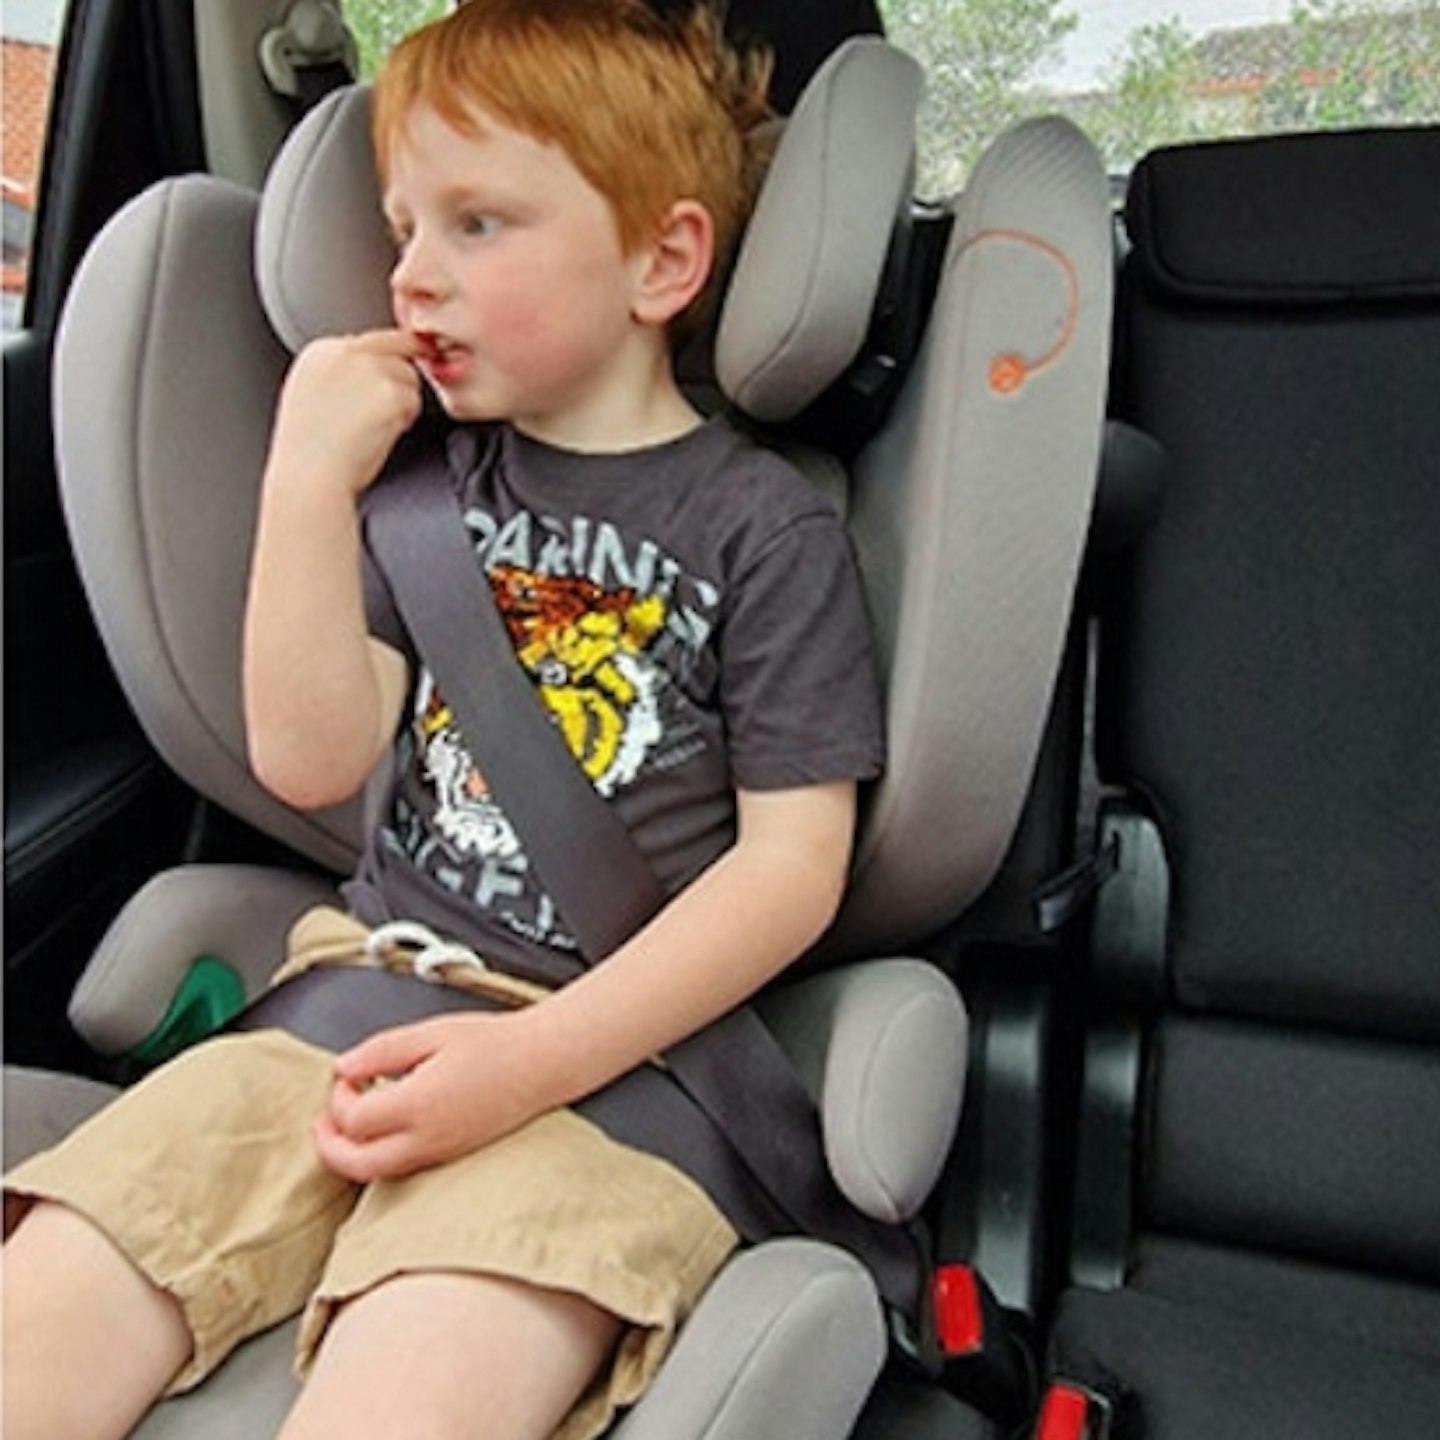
{"x": 238, "y": 914}
{"x": 883, "y": 1047}
{"x": 785, "y": 1309}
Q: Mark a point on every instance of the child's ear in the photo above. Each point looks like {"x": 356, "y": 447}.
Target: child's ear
{"x": 673, "y": 268}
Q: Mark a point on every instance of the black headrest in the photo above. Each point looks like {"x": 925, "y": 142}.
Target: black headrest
{"x": 1292, "y": 220}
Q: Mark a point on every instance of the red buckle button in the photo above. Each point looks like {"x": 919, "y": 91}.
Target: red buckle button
{"x": 1073, "y": 1412}
{"x": 959, "y": 1317}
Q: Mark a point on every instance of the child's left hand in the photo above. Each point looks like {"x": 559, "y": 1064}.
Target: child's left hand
{"x": 418, "y": 1095}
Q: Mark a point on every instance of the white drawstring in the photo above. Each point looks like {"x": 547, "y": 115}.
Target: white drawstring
{"x": 431, "y": 951}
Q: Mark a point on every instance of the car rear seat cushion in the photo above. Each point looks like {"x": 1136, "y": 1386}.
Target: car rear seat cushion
{"x": 1269, "y": 691}
{"x": 1203, "y": 1366}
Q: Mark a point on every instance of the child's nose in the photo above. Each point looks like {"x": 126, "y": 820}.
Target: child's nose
{"x": 416, "y": 276}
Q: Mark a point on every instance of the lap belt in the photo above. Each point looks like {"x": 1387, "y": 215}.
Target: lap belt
{"x": 606, "y": 890}
{"x": 658, "y": 1111}
{"x": 338, "y": 1006}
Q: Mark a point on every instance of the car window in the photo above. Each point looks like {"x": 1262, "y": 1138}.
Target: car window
{"x": 378, "y": 24}
{"x": 31, "y": 33}
{"x": 1135, "y": 74}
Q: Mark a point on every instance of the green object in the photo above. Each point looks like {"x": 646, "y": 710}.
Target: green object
{"x": 210, "y": 994}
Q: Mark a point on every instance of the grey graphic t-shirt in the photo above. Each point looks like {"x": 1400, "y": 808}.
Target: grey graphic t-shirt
{"x": 691, "y": 618}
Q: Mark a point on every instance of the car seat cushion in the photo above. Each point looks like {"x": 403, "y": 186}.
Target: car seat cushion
{"x": 1196, "y": 1372}
{"x": 1307, "y": 1143}
{"x": 884, "y": 1045}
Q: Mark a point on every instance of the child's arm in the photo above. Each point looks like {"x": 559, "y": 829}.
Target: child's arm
{"x": 322, "y": 698}
{"x": 468, "y": 1079}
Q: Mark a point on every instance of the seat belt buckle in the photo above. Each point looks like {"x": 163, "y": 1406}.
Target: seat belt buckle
{"x": 983, "y": 1355}
{"x": 1078, "y": 1410}
{"x": 964, "y": 1310}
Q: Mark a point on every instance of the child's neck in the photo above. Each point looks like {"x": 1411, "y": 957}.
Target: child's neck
{"x": 630, "y": 417}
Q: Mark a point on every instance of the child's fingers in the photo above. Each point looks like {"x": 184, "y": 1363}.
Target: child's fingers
{"x": 385, "y": 1055}
{"x": 364, "y": 1161}
{"x": 389, "y": 342}
{"x": 368, "y": 1114}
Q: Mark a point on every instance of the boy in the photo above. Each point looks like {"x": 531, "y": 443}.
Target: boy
{"x": 561, "y": 176}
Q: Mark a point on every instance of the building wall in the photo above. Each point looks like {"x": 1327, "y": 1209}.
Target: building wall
{"x": 26, "y": 87}
{"x": 26, "y": 71}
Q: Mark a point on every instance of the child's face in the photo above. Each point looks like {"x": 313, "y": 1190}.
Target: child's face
{"x": 512, "y": 277}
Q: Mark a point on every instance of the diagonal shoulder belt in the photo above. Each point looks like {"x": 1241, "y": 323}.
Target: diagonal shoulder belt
{"x": 602, "y": 883}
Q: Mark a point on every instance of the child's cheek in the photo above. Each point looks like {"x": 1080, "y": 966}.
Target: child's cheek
{"x": 530, "y": 336}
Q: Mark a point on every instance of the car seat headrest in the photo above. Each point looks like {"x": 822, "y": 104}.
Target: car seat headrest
{"x": 800, "y": 300}
{"x": 798, "y": 305}
{"x": 1291, "y": 220}
{"x": 323, "y": 252}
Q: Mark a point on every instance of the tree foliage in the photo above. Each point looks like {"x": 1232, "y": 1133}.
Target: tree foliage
{"x": 1148, "y": 97}
{"x": 1333, "y": 64}
{"x": 378, "y": 24}
{"x": 1354, "y": 64}
{"x": 982, "y": 61}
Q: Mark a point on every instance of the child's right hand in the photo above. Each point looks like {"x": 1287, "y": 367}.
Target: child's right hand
{"x": 346, "y": 400}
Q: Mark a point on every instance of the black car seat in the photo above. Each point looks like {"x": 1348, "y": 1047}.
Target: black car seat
{"x": 1257, "y": 1244}
{"x": 969, "y": 512}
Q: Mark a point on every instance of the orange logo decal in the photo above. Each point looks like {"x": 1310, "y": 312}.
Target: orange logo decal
{"x": 1007, "y": 374}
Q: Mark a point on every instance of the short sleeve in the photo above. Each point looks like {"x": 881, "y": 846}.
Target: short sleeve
{"x": 799, "y": 688}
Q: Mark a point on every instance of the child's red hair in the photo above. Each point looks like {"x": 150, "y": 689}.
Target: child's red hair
{"x": 650, "y": 110}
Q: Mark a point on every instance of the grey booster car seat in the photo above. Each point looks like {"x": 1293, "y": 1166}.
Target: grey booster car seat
{"x": 968, "y": 509}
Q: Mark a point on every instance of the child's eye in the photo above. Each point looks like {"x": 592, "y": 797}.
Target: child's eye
{"x": 478, "y": 224}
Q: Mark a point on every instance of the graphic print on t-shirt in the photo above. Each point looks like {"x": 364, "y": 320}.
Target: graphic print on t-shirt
{"x": 585, "y": 648}
{"x": 606, "y": 634}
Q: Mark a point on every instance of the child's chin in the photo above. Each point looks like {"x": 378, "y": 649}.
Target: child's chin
{"x": 456, "y": 406}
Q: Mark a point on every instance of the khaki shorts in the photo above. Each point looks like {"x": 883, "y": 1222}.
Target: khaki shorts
{"x": 206, "y": 1176}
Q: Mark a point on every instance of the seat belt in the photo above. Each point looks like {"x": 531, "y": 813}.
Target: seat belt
{"x": 418, "y": 535}
{"x": 591, "y": 865}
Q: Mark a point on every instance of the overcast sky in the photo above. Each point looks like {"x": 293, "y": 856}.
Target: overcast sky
{"x": 33, "y": 22}
{"x": 1104, "y": 24}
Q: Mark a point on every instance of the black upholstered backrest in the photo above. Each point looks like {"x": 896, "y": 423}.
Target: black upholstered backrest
{"x": 1271, "y": 686}
{"x": 1273, "y": 678}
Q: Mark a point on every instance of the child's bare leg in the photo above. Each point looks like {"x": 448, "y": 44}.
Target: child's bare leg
{"x": 90, "y": 1343}
{"x": 453, "y": 1357}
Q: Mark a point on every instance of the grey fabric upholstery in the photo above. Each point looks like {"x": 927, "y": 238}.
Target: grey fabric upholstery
{"x": 972, "y": 504}
{"x": 41, "y": 1107}
{"x": 1201, "y": 1371}
{"x": 876, "y": 1041}
{"x": 799, "y": 303}
{"x": 788, "y": 1308}
{"x": 157, "y": 478}
{"x": 240, "y": 913}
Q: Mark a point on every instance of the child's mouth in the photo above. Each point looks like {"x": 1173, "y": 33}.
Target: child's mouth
{"x": 444, "y": 360}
